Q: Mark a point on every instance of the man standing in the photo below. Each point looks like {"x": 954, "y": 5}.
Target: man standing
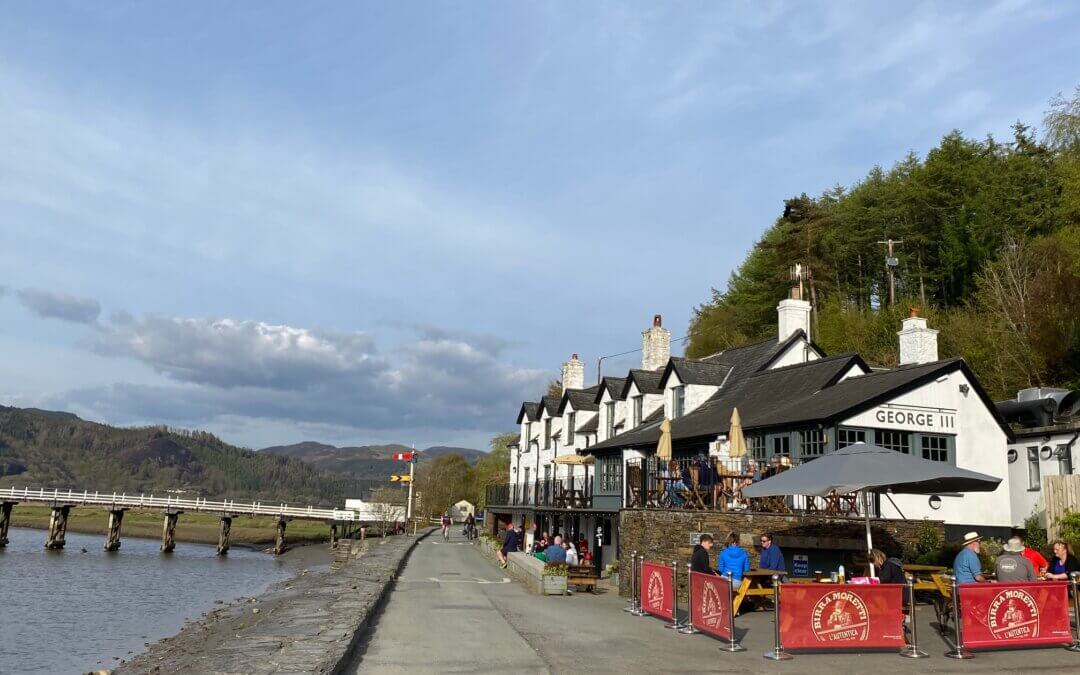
{"x": 699, "y": 559}
{"x": 510, "y": 544}
{"x": 966, "y": 567}
{"x": 1011, "y": 565}
{"x": 772, "y": 558}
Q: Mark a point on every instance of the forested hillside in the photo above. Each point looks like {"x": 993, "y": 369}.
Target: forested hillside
{"x": 43, "y": 449}
{"x": 990, "y": 253}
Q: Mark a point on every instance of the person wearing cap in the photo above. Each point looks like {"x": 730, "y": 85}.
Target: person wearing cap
{"x": 1011, "y": 565}
{"x": 966, "y": 568}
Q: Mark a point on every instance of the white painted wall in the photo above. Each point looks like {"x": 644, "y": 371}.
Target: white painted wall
{"x": 649, "y": 404}
{"x": 1024, "y": 500}
{"x": 620, "y": 414}
{"x": 799, "y": 351}
{"x": 980, "y": 446}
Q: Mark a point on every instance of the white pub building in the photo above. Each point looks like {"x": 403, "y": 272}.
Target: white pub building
{"x": 583, "y": 457}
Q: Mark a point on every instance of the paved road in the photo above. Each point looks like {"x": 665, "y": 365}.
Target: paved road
{"x": 453, "y": 611}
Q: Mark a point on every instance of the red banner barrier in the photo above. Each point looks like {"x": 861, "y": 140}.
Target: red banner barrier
{"x": 710, "y": 610}
{"x": 841, "y": 616}
{"x": 1015, "y": 615}
{"x": 657, "y": 594}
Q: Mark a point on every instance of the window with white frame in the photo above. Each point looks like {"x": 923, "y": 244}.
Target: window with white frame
{"x": 1034, "y": 473}
{"x": 639, "y": 407}
{"x": 609, "y": 418}
{"x": 900, "y": 441}
{"x": 571, "y": 422}
{"x": 846, "y": 437}
{"x": 528, "y": 437}
{"x": 678, "y": 401}
{"x": 1064, "y": 454}
{"x": 811, "y": 443}
{"x": 934, "y": 448}
{"x": 757, "y": 447}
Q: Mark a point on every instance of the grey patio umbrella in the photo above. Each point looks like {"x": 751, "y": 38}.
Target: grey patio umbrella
{"x": 866, "y": 468}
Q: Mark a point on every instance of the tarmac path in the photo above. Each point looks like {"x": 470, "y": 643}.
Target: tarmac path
{"x": 453, "y": 611}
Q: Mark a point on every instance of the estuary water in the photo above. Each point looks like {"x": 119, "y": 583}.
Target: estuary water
{"x": 72, "y": 612}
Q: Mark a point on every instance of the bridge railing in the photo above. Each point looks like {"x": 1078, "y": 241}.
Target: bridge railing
{"x": 124, "y": 500}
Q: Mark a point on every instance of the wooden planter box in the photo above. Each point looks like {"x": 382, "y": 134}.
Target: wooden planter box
{"x": 554, "y": 585}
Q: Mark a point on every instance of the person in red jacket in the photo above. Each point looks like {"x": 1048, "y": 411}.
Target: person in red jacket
{"x": 1037, "y": 560}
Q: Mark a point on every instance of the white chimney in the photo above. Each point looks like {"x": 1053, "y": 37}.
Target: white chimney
{"x": 793, "y": 314}
{"x": 573, "y": 374}
{"x": 655, "y": 345}
{"x": 918, "y": 344}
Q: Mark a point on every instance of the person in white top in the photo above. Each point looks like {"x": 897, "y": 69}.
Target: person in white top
{"x": 571, "y": 553}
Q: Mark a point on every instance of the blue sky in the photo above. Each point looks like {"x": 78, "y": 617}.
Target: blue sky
{"x": 385, "y": 222}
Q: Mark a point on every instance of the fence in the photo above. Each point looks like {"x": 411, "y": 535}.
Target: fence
{"x": 1061, "y": 494}
{"x": 562, "y": 493}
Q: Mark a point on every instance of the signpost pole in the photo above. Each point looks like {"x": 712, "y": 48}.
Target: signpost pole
{"x": 675, "y": 623}
{"x": 733, "y": 645}
{"x": 633, "y": 584}
{"x": 912, "y": 651}
{"x": 778, "y": 653}
{"x": 1075, "y": 579}
{"x": 958, "y": 651}
{"x": 689, "y": 629}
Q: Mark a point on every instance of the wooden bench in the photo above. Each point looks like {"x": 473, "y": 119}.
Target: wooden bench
{"x": 582, "y": 575}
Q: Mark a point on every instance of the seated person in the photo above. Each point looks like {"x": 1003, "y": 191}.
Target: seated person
{"x": 772, "y": 558}
{"x": 699, "y": 559}
{"x": 1062, "y": 563}
{"x": 966, "y": 567}
{"x": 1038, "y": 562}
{"x": 1011, "y": 565}
{"x": 555, "y": 553}
{"x": 675, "y": 484}
{"x": 571, "y": 554}
{"x": 733, "y": 559}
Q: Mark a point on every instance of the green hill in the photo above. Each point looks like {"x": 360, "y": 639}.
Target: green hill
{"x": 44, "y": 449}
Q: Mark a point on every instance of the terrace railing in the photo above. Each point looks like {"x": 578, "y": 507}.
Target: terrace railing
{"x": 562, "y": 493}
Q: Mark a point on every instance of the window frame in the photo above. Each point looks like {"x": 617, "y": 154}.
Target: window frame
{"x": 638, "y": 406}
{"x": 571, "y": 422}
{"x": 841, "y": 432}
{"x": 944, "y": 452}
{"x": 609, "y": 418}
{"x": 897, "y": 434}
{"x": 812, "y": 443}
{"x": 547, "y": 433}
{"x": 1033, "y": 463}
{"x": 678, "y": 401}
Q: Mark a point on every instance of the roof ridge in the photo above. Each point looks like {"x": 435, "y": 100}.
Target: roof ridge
{"x": 823, "y": 359}
{"x": 913, "y": 366}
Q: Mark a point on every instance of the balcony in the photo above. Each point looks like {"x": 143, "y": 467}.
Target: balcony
{"x": 563, "y": 493}
{"x": 716, "y": 485}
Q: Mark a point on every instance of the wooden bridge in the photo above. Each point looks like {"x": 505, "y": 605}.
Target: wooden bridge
{"x": 62, "y": 501}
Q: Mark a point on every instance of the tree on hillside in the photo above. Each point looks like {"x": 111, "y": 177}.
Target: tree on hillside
{"x": 444, "y": 482}
{"x": 493, "y": 468}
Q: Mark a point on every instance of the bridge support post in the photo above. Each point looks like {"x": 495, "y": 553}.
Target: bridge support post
{"x": 112, "y": 541}
{"x": 223, "y": 535}
{"x": 57, "y": 528}
{"x": 5, "y": 521}
{"x": 168, "y": 531}
{"x": 279, "y": 545}
{"x": 333, "y": 536}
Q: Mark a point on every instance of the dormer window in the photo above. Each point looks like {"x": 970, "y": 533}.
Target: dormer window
{"x": 609, "y": 418}
{"x": 678, "y": 401}
{"x": 639, "y": 408}
{"x": 571, "y": 421}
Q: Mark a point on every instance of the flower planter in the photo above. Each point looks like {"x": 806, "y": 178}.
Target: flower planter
{"x": 554, "y": 585}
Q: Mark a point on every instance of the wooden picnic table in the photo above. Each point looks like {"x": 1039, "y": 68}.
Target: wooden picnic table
{"x": 924, "y": 576}
{"x": 754, "y": 584}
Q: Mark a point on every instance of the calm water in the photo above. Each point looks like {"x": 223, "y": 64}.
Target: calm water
{"x": 71, "y": 612}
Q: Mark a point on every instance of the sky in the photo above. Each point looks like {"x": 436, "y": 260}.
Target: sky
{"x": 392, "y": 222}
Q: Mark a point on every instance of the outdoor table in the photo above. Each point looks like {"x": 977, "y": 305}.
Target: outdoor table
{"x": 924, "y": 576}
{"x": 754, "y": 584}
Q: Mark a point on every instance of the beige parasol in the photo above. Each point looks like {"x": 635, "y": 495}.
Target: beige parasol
{"x": 663, "y": 447}
{"x": 737, "y": 447}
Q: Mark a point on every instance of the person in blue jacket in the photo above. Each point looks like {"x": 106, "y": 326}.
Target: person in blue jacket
{"x": 733, "y": 559}
{"x": 772, "y": 558}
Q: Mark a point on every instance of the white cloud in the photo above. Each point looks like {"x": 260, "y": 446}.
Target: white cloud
{"x": 54, "y": 305}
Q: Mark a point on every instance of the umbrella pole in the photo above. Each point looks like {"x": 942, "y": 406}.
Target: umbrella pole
{"x": 869, "y": 539}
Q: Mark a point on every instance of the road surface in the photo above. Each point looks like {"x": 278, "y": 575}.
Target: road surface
{"x": 454, "y": 611}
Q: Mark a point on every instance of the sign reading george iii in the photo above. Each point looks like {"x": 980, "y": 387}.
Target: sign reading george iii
{"x": 907, "y": 418}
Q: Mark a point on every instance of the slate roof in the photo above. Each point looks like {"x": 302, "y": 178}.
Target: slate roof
{"x": 647, "y": 381}
{"x": 592, "y": 426}
{"x": 581, "y": 399}
{"x": 551, "y": 405}
{"x": 529, "y": 410}
{"x": 613, "y": 386}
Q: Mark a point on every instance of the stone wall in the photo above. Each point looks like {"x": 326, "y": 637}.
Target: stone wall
{"x": 664, "y": 536}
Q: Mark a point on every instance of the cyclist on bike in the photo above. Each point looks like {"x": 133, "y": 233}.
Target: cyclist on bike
{"x": 470, "y": 527}
{"x": 446, "y": 523}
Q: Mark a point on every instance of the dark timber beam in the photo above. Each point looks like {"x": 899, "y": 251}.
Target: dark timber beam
{"x": 57, "y": 527}
{"x": 5, "y": 521}
{"x": 223, "y": 535}
{"x": 112, "y": 540}
{"x": 279, "y": 545}
{"x": 168, "y": 531}
{"x": 333, "y": 535}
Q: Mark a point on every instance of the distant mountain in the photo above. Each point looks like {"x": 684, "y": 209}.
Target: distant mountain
{"x": 46, "y": 449}
{"x": 371, "y": 464}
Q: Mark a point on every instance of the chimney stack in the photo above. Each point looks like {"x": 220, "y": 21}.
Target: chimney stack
{"x": 573, "y": 374}
{"x": 793, "y": 314}
{"x": 655, "y": 345}
{"x": 918, "y": 344}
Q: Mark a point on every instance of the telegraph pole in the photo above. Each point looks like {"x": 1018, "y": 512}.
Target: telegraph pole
{"x": 890, "y": 264}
